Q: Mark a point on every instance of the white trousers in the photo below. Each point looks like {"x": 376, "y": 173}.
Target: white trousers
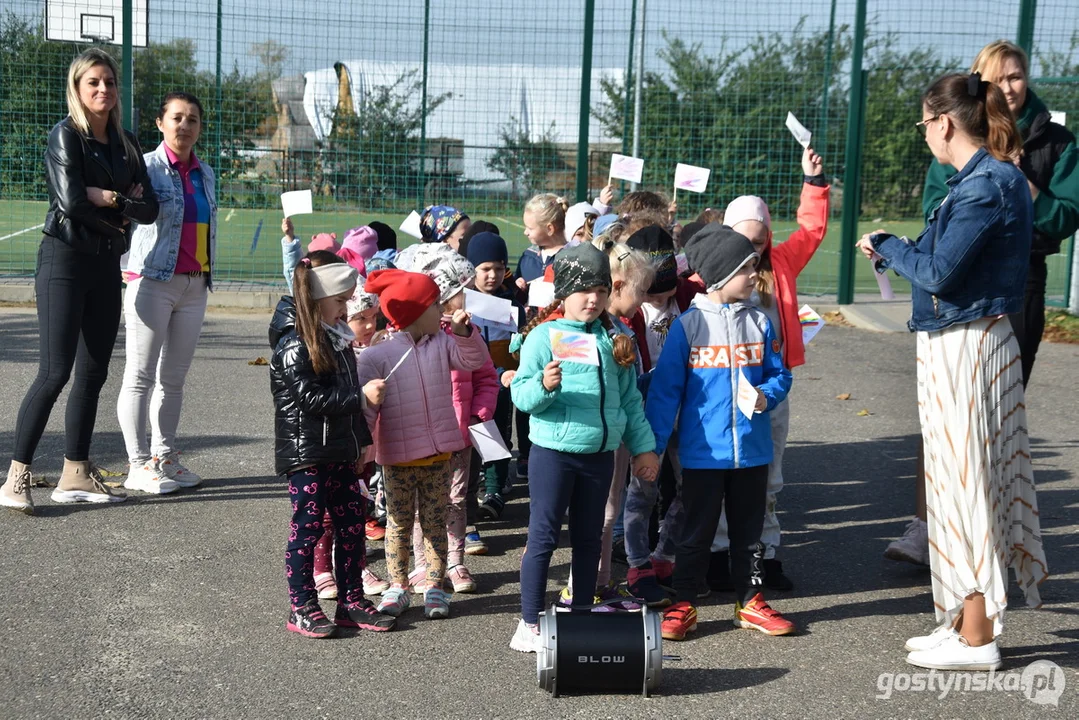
{"x": 163, "y": 322}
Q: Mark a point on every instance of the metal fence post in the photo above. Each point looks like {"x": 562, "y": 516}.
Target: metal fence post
{"x": 1071, "y": 287}
{"x": 217, "y": 85}
{"x": 852, "y": 175}
{"x": 586, "y": 95}
{"x": 823, "y": 146}
{"x": 127, "y": 110}
{"x": 628, "y": 81}
{"x": 1025, "y": 33}
{"x": 422, "y": 190}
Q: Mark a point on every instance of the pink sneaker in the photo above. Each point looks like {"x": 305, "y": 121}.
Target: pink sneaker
{"x": 327, "y": 588}
{"x": 461, "y": 579}
{"x": 373, "y": 584}
{"x": 417, "y": 580}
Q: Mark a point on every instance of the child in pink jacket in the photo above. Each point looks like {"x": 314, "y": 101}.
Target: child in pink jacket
{"x": 415, "y": 428}
{"x": 474, "y": 397}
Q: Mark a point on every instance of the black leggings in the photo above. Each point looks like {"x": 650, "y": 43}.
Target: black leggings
{"x": 78, "y": 312}
{"x": 1029, "y": 325}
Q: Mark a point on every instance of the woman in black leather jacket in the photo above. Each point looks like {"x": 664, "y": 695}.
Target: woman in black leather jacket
{"x": 97, "y": 189}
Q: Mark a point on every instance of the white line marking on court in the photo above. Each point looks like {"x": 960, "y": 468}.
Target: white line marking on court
{"x": 16, "y": 234}
{"x": 505, "y": 220}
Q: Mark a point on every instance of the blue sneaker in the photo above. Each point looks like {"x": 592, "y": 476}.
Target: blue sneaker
{"x": 394, "y": 601}
{"x": 436, "y": 604}
{"x": 474, "y": 544}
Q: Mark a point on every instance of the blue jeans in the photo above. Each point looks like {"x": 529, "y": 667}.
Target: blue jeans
{"x": 641, "y": 498}
{"x": 557, "y": 481}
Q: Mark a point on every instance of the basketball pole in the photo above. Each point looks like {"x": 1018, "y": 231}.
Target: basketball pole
{"x": 127, "y": 111}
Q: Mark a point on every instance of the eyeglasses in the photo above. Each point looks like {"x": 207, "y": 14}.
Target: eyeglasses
{"x": 922, "y": 125}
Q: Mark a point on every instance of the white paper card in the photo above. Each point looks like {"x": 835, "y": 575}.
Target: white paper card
{"x": 811, "y": 323}
{"x": 624, "y": 167}
{"x": 1058, "y": 116}
{"x": 540, "y": 293}
{"x": 491, "y": 308}
{"x": 883, "y": 282}
{"x": 578, "y": 347}
{"x": 691, "y": 177}
{"x": 297, "y": 202}
{"x": 487, "y": 440}
{"x": 747, "y": 395}
{"x": 411, "y": 225}
{"x": 798, "y": 130}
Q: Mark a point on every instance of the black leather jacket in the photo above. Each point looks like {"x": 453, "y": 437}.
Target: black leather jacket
{"x": 317, "y": 418}
{"x": 73, "y": 163}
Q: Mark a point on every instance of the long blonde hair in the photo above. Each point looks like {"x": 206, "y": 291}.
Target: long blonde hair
{"x": 633, "y": 266}
{"x": 993, "y": 55}
{"x": 83, "y": 62}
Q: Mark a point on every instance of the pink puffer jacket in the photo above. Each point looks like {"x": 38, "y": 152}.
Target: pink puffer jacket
{"x": 475, "y": 394}
{"x": 417, "y": 418}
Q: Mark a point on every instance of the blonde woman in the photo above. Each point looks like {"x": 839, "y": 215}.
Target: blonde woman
{"x": 98, "y": 189}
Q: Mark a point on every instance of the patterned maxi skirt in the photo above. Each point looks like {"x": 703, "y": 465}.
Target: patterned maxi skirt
{"x": 982, "y": 506}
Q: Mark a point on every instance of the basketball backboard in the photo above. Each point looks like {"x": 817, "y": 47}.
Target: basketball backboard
{"x": 94, "y": 21}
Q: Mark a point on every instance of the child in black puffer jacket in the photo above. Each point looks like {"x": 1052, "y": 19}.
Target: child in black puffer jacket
{"x": 320, "y": 434}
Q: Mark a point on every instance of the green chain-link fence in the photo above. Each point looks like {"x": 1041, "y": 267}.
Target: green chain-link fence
{"x": 382, "y": 108}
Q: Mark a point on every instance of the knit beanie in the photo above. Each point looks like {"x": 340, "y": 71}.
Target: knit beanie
{"x": 487, "y": 247}
{"x": 747, "y": 207}
{"x": 324, "y": 241}
{"x": 361, "y": 300}
{"x": 380, "y": 262}
{"x": 403, "y": 296}
{"x": 578, "y": 268}
{"x": 717, "y": 253}
{"x": 477, "y": 227}
{"x": 658, "y": 244}
{"x": 576, "y": 216}
{"x": 438, "y": 222}
{"x": 333, "y": 279}
{"x": 361, "y": 240}
{"x": 441, "y": 263}
{"x": 387, "y": 236}
{"x": 603, "y": 222}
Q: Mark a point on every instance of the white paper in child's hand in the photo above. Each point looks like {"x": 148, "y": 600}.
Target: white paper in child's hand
{"x": 540, "y": 293}
{"x": 578, "y": 347}
{"x": 811, "y": 323}
{"x": 487, "y": 440}
{"x": 490, "y": 307}
{"x": 691, "y": 177}
{"x": 624, "y": 167}
{"x": 747, "y": 395}
{"x": 798, "y": 130}
{"x": 411, "y": 225}
{"x": 297, "y": 202}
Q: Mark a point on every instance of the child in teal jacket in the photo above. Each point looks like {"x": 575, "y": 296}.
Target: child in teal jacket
{"x": 580, "y": 387}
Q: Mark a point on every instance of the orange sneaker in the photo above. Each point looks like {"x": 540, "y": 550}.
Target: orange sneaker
{"x": 679, "y": 619}
{"x": 374, "y": 531}
{"x": 757, "y": 615}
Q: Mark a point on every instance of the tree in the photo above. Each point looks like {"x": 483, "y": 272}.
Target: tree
{"x": 374, "y": 154}
{"x": 523, "y": 161}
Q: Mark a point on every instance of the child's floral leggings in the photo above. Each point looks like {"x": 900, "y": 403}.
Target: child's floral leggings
{"x": 408, "y": 488}
{"x": 314, "y": 491}
{"x": 460, "y": 463}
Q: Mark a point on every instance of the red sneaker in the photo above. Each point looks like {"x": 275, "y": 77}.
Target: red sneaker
{"x": 374, "y": 531}
{"x": 664, "y": 573}
{"x": 757, "y": 615}
{"x": 679, "y": 619}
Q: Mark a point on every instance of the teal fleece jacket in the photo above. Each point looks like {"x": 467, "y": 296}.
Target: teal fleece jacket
{"x": 594, "y": 410}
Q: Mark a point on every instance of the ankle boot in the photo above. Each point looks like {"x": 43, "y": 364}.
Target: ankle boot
{"x": 15, "y": 492}
{"x": 81, "y": 482}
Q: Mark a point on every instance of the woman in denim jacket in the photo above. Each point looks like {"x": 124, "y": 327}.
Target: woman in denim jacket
{"x": 968, "y": 271}
{"x": 169, "y": 273}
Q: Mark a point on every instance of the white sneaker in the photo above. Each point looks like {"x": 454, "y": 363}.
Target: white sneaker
{"x": 913, "y": 547}
{"x": 373, "y": 584}
{"x": 146, "y": 478}
{"x": 953, "y": 653}
{"x": 525, "y": 639}
{"x": 174, "y": 470}
{"x": 927, "y": 642}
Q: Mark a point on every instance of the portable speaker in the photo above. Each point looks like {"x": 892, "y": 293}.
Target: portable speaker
{"x": 617, "y": 652}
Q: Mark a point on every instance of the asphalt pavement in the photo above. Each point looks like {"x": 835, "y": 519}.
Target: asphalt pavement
{"x": 174, "y": 606}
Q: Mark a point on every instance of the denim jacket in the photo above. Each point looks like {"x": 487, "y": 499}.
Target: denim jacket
{"x": 971, "y": 260}
{"x": 154, "y": 248}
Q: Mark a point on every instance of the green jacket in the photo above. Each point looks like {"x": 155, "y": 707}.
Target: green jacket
{"x": 594, "y": 410}
{"x": 1050, "y": 161}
